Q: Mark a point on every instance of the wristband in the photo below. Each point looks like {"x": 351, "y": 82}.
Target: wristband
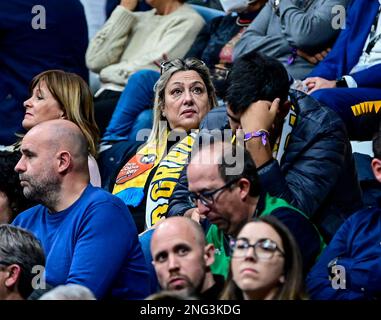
{"x": 264, "y": 134}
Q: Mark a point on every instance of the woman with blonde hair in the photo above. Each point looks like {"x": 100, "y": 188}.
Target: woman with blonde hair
{"x": 57, "y": 94}
{"x": 184, "y": 94}
{"x": 266, "y": 263}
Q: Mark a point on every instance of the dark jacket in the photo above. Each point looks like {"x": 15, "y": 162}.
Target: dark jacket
{"x": 316, "y": 174}
{"x": 356, "y": 247}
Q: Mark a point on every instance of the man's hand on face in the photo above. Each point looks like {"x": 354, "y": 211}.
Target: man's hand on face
{"x": 194, "y": 214}
{"x": 260, "y": 115}
{"x": 316, "y": 83}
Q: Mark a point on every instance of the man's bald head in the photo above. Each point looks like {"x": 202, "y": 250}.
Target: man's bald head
{"x": 58, "y": 135}
{"x": 178, "y": 224}
{"x": 54, "y": 160}
{"x": 180, "y": 256}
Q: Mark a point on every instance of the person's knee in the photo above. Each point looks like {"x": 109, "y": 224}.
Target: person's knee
{"x": 322, "y": 95}
{"x": 144, "y": 76}
{"x": 142, "y": 125}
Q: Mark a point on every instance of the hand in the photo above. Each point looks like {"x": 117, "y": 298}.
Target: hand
{"x": 314, "y": 59}
{"x": 129, "y": 4}
{"x": 316, "y": 83}
{"x": 194, "y": 214}
{"x": 260, "y": 115}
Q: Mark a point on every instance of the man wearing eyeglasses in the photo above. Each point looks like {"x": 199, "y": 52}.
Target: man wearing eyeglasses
{"x": 229, "y": 201}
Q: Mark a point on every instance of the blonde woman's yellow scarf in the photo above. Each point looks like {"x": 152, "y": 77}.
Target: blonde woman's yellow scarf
{"x": 132, "y": 179}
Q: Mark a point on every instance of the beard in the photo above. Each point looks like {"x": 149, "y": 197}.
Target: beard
{"x": 44, "y": 190}
{"x": 191, "y": 288}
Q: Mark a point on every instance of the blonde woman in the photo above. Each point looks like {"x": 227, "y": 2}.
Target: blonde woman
{"x": 56, "y": 94}
{"x": 183, "y": 95}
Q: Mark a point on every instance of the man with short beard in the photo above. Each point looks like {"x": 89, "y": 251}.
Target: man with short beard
{"x": 78, "y": 225}
{"x": 182, "y": 259}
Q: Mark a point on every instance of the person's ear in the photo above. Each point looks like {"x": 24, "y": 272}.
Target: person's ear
{"x": 14, "y": 272}
{"x": 282, "y": 279}
{"x": 244, "y": 188}
{"x": 209, "y": 254}
{"x": 64, "y": 161}
{"x": 62, "y": 114}
{"x": 376, "y": 168}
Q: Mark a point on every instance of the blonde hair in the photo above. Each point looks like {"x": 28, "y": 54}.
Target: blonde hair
{"x": 75, "y": 98}
{"x": 170, "y": 68}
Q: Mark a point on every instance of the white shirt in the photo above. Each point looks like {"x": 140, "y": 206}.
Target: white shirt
{"x": 372, "y": 58}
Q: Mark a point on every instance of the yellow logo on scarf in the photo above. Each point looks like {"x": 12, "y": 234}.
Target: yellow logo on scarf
{"x": 165, "y": 179}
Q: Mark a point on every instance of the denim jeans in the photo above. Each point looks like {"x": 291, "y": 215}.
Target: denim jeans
{"x": 128, "y": 117}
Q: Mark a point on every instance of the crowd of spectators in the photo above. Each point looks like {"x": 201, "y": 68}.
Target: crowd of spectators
{"x": 173, "y": 149}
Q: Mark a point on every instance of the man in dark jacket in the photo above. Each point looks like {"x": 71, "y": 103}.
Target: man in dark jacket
{"x": 299, "y": 146}
{"x": 350, "y": 267}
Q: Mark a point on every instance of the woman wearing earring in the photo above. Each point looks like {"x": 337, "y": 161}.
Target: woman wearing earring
{"x": 266, "y": 263}
{"x": 184, "y": 94}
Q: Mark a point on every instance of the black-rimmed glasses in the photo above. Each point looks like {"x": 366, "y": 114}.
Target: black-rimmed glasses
{"x": 264, "y": 249}
{"x": 207, "y": 197}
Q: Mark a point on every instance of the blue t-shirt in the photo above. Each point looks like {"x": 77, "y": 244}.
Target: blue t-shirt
{"x": 93, "y": 243}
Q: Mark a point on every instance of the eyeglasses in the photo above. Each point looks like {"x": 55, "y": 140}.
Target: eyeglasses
{"x": 166, "y": 65}
{"x": 264, "y": 249}
{"x": 207, "y": 198}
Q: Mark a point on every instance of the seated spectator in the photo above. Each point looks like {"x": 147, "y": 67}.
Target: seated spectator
{"x": 182, "y": 259}
{"x": 12, "y": 200}
{"x": 69, "y": 291}
{"x": 184, "y": 95}
{"x": 272, "y": 270}
{"x": 351, "y": 72}
{"x": 297, "y": 33}
{"x": 228, "y": 195}
{"x": 36, "y": 36}
{"x": 349, "y": 268}
{"x": 213, "y": 45}
{"x": 131, "y": 41}
{"x": 311, "y": 166}
{"x": 20, "y": 253}
{"x": 77, "y": 224}
{"x": 299, "y": 146}
{"x": 56, "y": 94}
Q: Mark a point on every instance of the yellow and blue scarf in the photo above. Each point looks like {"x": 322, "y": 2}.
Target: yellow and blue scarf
{"x": 133, "y": 177}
